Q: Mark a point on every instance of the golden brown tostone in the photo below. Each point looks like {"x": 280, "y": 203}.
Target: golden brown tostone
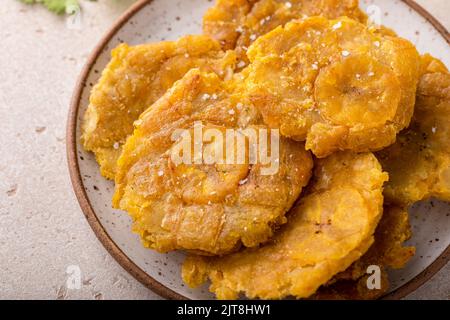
{"x": 388, "y": 251}
{"x": 334, "y": 83}
{"x": 419, "y": 162}
{"x": 133, "y": 80}
{"x": 331, "y": 227}
{"x": 206, "y": 208}
{"x": 238, "y": 23}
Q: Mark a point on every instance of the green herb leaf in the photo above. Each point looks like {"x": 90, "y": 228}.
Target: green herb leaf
{"x": 58, "y": 6}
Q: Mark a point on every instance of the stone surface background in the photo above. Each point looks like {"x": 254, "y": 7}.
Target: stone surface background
{"x": 42, "y": 228}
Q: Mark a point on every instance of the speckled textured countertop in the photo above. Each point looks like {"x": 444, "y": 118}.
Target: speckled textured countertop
{"x": 42, "y": 229}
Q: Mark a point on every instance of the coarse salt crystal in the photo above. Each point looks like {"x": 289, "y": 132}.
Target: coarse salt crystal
{"x": 345, "y": 53}
{"x": 253, "y": 37}
{"x": 288, "y": 5}
{"x": 160, "y": 173}
{"x": 116, "y": 145}
{"x": 206, "y": 97}
{"x": 241, "y": 64}
{"x": 243, "y": 181}
{"x": 337, "y": 25}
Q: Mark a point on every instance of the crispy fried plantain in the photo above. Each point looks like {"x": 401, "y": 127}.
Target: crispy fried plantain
{"x": 207, "y": 208}
{"x": 333, "y": 83}
{"x": 388, "y": 251}
{"x": 133, "y": 80}
{"x": 332, "y": 227}
{"x": 337, "y": 87}
{"x": 237, "y": 23}
{"x": 222, "y": 21}
{"x": 419, "y": 162}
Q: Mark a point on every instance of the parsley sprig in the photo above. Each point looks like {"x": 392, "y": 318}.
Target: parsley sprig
{"x": 58, "y": 6}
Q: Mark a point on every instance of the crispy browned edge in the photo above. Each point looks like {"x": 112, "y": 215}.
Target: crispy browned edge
{"x": 100, "y": 232}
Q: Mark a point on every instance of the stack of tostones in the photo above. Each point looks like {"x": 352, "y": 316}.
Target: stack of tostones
{"x": 250, "y": 147}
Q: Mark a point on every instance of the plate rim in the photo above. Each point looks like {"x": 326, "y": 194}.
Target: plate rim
{"x": 102, "y": 235}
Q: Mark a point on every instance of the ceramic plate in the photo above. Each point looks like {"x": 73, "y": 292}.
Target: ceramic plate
{"x": 149, "y": 21}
